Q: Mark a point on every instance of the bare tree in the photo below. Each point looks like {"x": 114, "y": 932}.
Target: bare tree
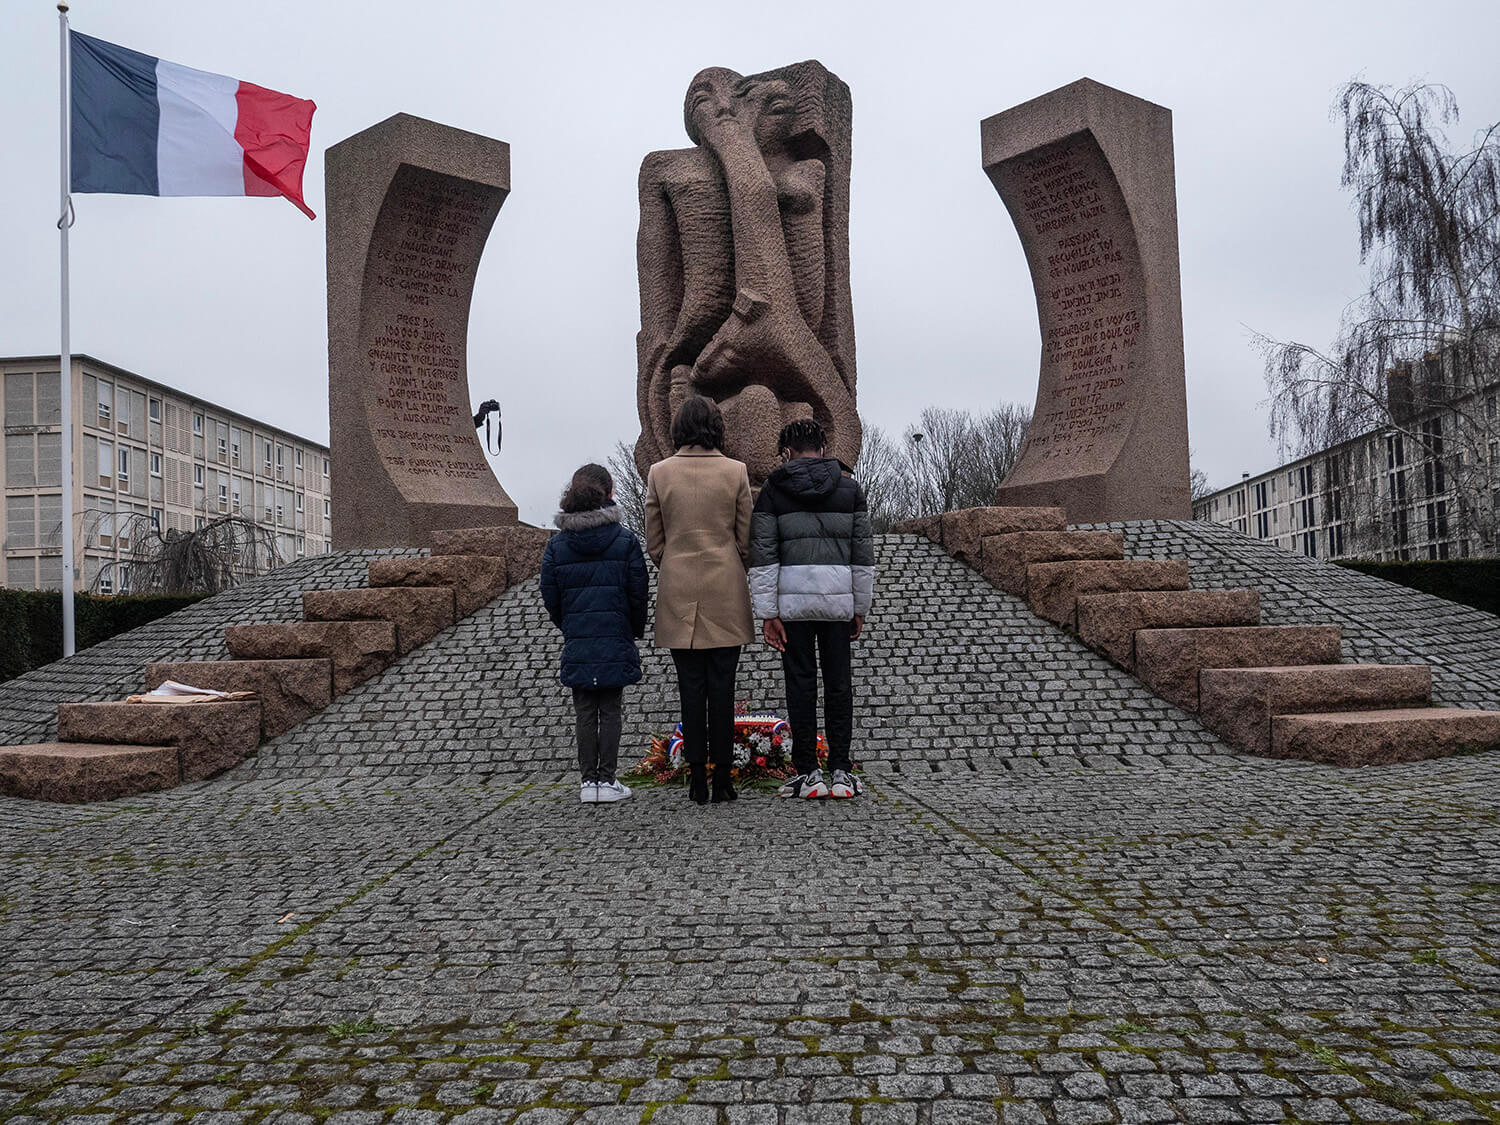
{"x": 1423, "y": 341}
{"x": 208, "y": 560}
{"x": 950, "y": 459}
{"x": 630, "y": 489}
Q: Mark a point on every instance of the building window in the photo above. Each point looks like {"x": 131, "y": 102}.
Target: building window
{"x": 325, "y": 468}
{"x": 106, "y": 403}
{"x": 298, "y": 460}
{"x": 235, "y": 497}
{"x": 299, "y": 503}
{"x": 223, "y": 449}
{"x": 223, "y": 498}
{"x": 106, "y": 582}
{"x": 198, "y": 475}
{"x": 234, "y": 446}
{"x": 268, "y": 456}
{"x": 123, "y": 472}
{"x": 197, "y": 425}
{"x": 153, "y": 409}
{"x": 156, "y": 464}
{"x": 156, "y": 515}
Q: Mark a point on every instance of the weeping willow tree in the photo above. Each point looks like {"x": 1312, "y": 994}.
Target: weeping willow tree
{"x": 1422, "y": 342}
{"x": 207, "y": 560}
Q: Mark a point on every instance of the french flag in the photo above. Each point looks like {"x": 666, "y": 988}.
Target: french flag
{"x": 146, "y": 126}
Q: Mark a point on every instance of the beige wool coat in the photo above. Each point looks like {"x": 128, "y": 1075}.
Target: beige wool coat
{"x": 698, "y": 535}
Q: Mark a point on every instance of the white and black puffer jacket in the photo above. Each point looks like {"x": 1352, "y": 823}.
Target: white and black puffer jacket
{"x": 812, "y": 555}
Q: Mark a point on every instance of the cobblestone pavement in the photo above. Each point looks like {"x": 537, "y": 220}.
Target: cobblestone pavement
{"x": 1221, "y": 939}
{"x": 1060, "y": 901}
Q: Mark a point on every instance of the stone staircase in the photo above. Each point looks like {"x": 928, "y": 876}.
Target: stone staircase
{"x": 1279, "y": 691}
{"x": 116, "y": 749}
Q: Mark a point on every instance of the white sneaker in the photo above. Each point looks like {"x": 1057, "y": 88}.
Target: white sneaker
{"x": 588, "y": 792}
{"x": 612, "y": 791}
{"x": 844, "y": 785}
{"x": 807, "y": 786}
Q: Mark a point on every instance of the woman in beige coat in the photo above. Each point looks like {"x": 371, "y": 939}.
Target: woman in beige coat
{"x": 698, "y": 535}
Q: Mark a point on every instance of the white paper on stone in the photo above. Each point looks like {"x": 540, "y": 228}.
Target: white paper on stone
{"x": 172, "y": 687}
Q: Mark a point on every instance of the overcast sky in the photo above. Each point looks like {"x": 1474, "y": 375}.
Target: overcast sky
{"x": 224, "y": 298}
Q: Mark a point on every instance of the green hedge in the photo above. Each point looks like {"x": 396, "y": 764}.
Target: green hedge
{"x": 31, "y": 622}
{"x": 1474, "y": 582}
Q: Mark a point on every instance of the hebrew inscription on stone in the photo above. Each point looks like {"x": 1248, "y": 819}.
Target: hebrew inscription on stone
{"x": 410, "y": 206}
{"x": 1086, "y": 173}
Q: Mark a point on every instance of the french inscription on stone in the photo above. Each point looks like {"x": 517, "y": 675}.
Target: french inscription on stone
{"x": 420, "y": 281}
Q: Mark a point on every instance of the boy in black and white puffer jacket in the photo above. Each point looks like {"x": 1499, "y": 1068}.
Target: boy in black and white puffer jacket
{"x": 812, "y": 579}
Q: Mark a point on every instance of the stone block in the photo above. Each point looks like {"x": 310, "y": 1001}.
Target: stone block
{"x": 209, "y": 737}
{"x": 1238, "y": 704}
{"x": 521, "y": 546}
{"x": 476, "y": 579}
{"x": 1004, "y": 558}
{"x": 1107, "y": 623}
{"x": 78, "y": 772}
{"x": 1378, "y": 738}
{"x": 289, "y": 690}
{"x": 1168, "y": 660}
{"x": 357, "y": 650}
{"x": 1054, "y": 587}
{"x": 418, "y": 612}
{"x": 929, "y": 526}
{"x": 963, "y": 532}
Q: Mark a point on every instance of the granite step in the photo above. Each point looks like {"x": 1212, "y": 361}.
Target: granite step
{"x": 476, "y": 580}
{"x": 418, "y": 612}
{"x": 1377, "y": 738}
{"x": 209, "y": 737}
{"x": 1107, "y": 623}
{"x": 76, "y": 773}
{"x": 1239, "y": 704}
{"x": 1055, "y": 587}
{"x": 521, "y": 547}
{"x": 289, "y": 690}
{"x": 356, "y": 650}
{"x": 963, "y": 532}
{"x": 1168, "y": 661}
{"x": 1004, "y": 558}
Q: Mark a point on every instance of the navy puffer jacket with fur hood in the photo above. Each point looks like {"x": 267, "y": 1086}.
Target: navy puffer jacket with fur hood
{"x": 595, "y": 589}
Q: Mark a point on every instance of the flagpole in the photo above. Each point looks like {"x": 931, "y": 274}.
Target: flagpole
{"x": 65, "y": 355}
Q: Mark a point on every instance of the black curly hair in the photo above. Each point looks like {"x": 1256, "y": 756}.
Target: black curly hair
{"x": 802, "y": 436}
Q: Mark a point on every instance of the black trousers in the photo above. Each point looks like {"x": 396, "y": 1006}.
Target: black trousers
{"x": 705, "y": 684}
{"x": 599, "y": 713}
{"x": 806, "y": 643}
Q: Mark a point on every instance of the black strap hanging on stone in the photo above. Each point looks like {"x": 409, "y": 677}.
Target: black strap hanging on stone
{"x": 482, "y": 417}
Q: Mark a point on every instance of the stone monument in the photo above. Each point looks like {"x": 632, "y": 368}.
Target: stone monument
{"x": 743, "y": 255}
{"x": 1087, "y": 174}
{"x": 410, "y": 205}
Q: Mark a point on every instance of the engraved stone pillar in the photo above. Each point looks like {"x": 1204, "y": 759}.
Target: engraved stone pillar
{"x": 1087, "y": 175}
{"x": 410, "y": 204}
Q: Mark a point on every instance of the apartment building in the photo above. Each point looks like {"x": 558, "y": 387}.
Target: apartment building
{"x": 1428, "y": 488}
{"x": 145, "y": 456}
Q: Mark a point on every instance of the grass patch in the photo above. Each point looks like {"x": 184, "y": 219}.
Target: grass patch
{"x": 350, "y": 1029}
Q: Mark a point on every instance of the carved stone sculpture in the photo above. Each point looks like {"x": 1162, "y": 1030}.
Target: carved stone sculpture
{"x": 410, "y": 206}
{"x": 743, "y": 256}
{"x": 1087, "y": 174}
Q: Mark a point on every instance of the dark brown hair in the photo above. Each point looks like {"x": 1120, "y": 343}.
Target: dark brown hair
{"x": 698, "y": 422}
{"x": 588, "y": 490}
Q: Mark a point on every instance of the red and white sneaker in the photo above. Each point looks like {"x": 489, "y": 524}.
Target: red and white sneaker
{"x": 845, "y": 785}
{"x": 808, "y": 786}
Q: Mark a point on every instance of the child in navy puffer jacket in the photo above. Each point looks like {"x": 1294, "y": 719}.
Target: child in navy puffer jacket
{"x": 595, "y": 589}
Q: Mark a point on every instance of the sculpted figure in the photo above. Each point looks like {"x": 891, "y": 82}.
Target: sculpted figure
{"x": 743, "y": 256}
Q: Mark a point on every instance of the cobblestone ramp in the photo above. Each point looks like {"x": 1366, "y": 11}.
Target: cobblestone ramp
{"x": 115, "y": 668}
{"x": 950, "y": 671}
{"x": 1207, "y": 940}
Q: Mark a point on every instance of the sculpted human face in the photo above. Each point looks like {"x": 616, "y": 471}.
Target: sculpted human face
{"x": 710, "y": 97}
{"x": 767, "y": 107}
